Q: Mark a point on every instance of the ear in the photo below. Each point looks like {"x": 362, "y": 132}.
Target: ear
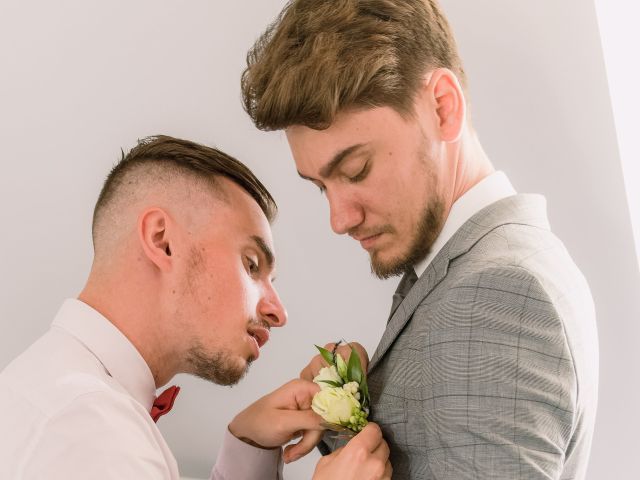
{"x": 451, "y": 106}
{"x": 154, "y": 236}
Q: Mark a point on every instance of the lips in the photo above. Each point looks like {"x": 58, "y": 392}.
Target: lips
{"x": 363, "y": 235}
{"x": 367, "y": 242}
{"x": 260, "y": 334}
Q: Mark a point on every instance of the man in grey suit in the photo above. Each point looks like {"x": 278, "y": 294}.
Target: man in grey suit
{"x": 488, "y": 367}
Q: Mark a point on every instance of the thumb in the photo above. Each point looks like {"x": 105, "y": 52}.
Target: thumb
{"x": 369, "y": 437}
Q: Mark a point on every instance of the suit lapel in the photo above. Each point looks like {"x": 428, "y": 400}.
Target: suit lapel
{"x": 520, "y": 209}
{"x": 434, "y": 273}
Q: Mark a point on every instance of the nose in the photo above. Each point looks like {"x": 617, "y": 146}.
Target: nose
{"x": 344, "y": 213}
{"x": 270, "y": 308}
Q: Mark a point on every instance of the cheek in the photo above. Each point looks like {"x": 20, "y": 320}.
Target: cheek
{"x": 232, "y": 293}
{"x": 399, "y": 203}
{"x": 388, "y": 200}
{"x": 220, "y": 292}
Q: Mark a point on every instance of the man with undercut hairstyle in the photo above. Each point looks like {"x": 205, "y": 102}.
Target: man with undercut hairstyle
{"x": 488, "y": 367}
{"x": 181, "y": 282}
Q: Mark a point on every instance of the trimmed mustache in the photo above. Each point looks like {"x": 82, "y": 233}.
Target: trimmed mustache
{"x": 360, "y": 233}
{"x": 254, "y": 322}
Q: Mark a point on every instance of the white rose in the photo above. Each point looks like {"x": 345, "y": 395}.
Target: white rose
{"x": 335, "y": 405}
{"x": 351, "y": 387}
{"x": 327, "y": 373}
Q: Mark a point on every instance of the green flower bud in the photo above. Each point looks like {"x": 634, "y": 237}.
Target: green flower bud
{"x": 342, "y": 367}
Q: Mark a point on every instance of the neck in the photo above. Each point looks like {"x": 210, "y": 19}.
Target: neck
{"x": 131, "y": 308}
{"x": 471, "y": 164}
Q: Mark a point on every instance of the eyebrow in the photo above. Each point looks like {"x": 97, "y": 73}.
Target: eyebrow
{"x": 271, "y": 259}
{"x": 338, "y": 158}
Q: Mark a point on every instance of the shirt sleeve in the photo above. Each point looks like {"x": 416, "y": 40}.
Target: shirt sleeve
{"x": 238, "y": 460}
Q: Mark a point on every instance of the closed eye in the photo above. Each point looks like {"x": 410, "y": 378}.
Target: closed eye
{"x": 361, "y": 175}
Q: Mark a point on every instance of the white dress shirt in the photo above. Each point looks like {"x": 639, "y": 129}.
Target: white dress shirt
{"x": 489, "y": 190}
{"x": 75, "y": 405}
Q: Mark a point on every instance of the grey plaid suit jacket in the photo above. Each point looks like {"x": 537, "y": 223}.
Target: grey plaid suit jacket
{"x": 488, "y": 369}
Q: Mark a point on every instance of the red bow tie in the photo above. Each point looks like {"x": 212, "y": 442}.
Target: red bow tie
{"x": 164, "y": 403}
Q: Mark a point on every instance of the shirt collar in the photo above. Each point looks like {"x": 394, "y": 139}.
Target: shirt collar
{"x": 117, "y": 354}
{"x": 489, "y": 190}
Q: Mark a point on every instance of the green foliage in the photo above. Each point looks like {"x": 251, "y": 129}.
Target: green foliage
{"x": 326, "y": 354}
{"x": 354, "y": 368}
{"x": 341, "y": 367}
{"x": 332, "y": 383}
{"x": 350, "y": 371}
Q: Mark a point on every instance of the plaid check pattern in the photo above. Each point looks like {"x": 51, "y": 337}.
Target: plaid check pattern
{"x": 488, "y": 369}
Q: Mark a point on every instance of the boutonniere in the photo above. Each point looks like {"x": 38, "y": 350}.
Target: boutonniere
{"x": 343, "y": 401}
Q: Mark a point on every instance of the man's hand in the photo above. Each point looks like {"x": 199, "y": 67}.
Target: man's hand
{"x": 279, "y": 417}
{"x": 317, "y": 362}
{"x": 365, "y": 457}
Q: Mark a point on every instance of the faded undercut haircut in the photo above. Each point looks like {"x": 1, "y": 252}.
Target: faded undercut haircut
{"x": 164, "y": 158}
{"x": 320, "y": 57}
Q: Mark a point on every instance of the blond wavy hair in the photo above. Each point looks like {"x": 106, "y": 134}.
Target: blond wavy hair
{"x": 323, "y": 56}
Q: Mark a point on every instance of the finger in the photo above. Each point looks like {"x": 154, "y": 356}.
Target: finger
{"x": 310, "y": 438}
{"x": 313, "y": 368}
{"x": 388, "y": 471}
{"x": 287, "y": 455}
{"x": 377, "y": 465}
{"x": 381, "y": 452}
{"x": 297, "y": 394}
{"x": 329, "y": 458}
{"x": 345, "y": 352}
{"x": 369, "y": 438}
{"x": 303, "y": 392}
{"x": 317, "y": 363}
{"x": 290, "y": 422}
{"x": 305, "y": 373}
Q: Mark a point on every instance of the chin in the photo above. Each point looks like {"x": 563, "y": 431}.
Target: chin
{"x": 222, "y": 368}
{"x": 385, "y": 265}
{"x": 232, "y": 374}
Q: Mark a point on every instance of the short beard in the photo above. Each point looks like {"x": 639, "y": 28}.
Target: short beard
{"x": 425, "y": 234}
{"x": 217, "y": 367}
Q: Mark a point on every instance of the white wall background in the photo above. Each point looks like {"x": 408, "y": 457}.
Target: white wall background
{"x": 620, "y": 40}
{"x": 79, "y": 79}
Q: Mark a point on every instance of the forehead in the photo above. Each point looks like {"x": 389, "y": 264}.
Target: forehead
{"x": 368, "y": 126}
